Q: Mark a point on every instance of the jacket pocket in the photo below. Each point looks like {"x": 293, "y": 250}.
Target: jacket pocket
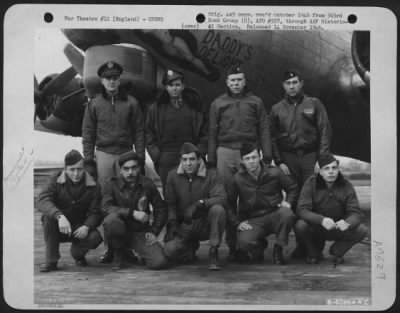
{"x": 309, "y": 125}
{"x": 225, "y": 124}
{"x": 284, "y": 139}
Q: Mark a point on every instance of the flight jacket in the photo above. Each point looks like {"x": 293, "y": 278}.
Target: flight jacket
{"x": 122, "y": 199}
{"x": 80, "y": 206}
{"x": 183, "y": 190}
{"x": 154, "y": 127}
{"x": 238, "y": 120}
{"x": 258, "y": 197}
{"x": 113, "y": 125}
{"x": 317, "y": 201}
{"x": 303, "y": 126}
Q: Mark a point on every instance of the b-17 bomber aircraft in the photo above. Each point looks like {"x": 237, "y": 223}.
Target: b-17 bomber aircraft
{"x": 334, "y": 65}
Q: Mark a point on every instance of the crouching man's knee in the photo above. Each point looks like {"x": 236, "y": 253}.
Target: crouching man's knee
{"x": 287, "y": 216}
{"x": 301, "y": 227}
{"x": 360, "y": 232}
{"x": 113, "y": 225}
{"x": 173, "y": 249}
{"x": 95, "y": 239}
{"x": 246, "y": 243}
{"x": 217, "y": 210}
{"x": 158, "y": 262}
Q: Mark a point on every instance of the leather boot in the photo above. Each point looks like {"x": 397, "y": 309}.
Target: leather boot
{"x": 277, "y": 255}
{"x": 108, "y": 256}
{"x": 195, "y": 247}
{"x": 213, "y": 259}
{"x": 119, "y": 261}
{"x": 337, "y": 260}
{"x": 48, "y": 267}
{"x": 81, "y": 262}
{"x": 300, "y": 252}
{"x": 130, "y": 256}
{"x": 232, "y": 254}
{"x": 257, "y": 256}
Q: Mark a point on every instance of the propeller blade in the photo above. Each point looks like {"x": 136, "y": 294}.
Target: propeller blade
{"x": 73, "y": 94}
{"x": 60, "y": 81}
{"x": 53, "y": 124}
{"x": 35, "y": 83}
{"x": 75, "y": 57}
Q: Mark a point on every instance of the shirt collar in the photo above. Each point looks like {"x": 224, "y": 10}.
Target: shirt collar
{"x": 298, "y": 99}
{"x": 320, "y": 183}
{"x": 89, "y": 181}
{"x": 201, "y": 171}
{"x": 122, "y": 183}
{"x": 176, "y": 102}
{"x": 242, "y": 169}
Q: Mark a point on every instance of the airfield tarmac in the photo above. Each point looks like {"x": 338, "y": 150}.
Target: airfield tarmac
{"x": 295, "y": 283}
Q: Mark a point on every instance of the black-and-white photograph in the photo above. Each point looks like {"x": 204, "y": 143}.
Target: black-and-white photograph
{"x": 257, "y": 141}
{"x": 187, "y": 167}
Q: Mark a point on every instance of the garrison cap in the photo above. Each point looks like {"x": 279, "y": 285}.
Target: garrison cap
{"x": 109, "y": 68}
{"x": 234, "y": 70}
{"x": 171, "y": 75}
{"x": 128, "y": 156}
{"x": 188, "y": 147}
{"x": 72, "y": 157}
{"x": 326, "y": 159}
{"x": 248, "y": 148}
{"x": 290, "y": 73}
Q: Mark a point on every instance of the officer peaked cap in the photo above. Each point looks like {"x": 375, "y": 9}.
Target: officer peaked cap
{"x": 171, "y": 75}
{"x": 290, "y": 73}
{"x": 234, "y": 70}
{"x": 110, "y": 68}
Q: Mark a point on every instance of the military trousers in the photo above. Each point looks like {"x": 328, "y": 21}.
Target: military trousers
{"x": 210, "y": 226}
{"x": 314, "y": 236}
{"x": 301, "y": 166}
{"x": 53, "y": 237}
{"x": 278, "y": 222}
{"x": 107, "y": 166}
{"x": 118, "y": 235}
{"x": 228, "y": 161}
{"x": 167, "y": 161}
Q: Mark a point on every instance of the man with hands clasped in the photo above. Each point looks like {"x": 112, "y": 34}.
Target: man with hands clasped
{"x": 126, "y": 202}
{"x": 195, "y": 196}
{"x": 261, "y": 209}
{"x": 70, "y": 204}
{"x": 300, "y": 132}
{"x": 328, "y": 209}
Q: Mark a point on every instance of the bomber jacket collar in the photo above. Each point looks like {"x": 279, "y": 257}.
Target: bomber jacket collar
{"x": 264, "y": 169}
{"x": 201, "y": 171}
{"x": 121, "y": 183}
{"x": 320, "y": 183}
{"x": 121, "y": 95}
{"x": 246, "y": 92}
{"x": 190, "y": 96}
{"x": 298, "y": 99}
{"x": 89, "y": 181}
